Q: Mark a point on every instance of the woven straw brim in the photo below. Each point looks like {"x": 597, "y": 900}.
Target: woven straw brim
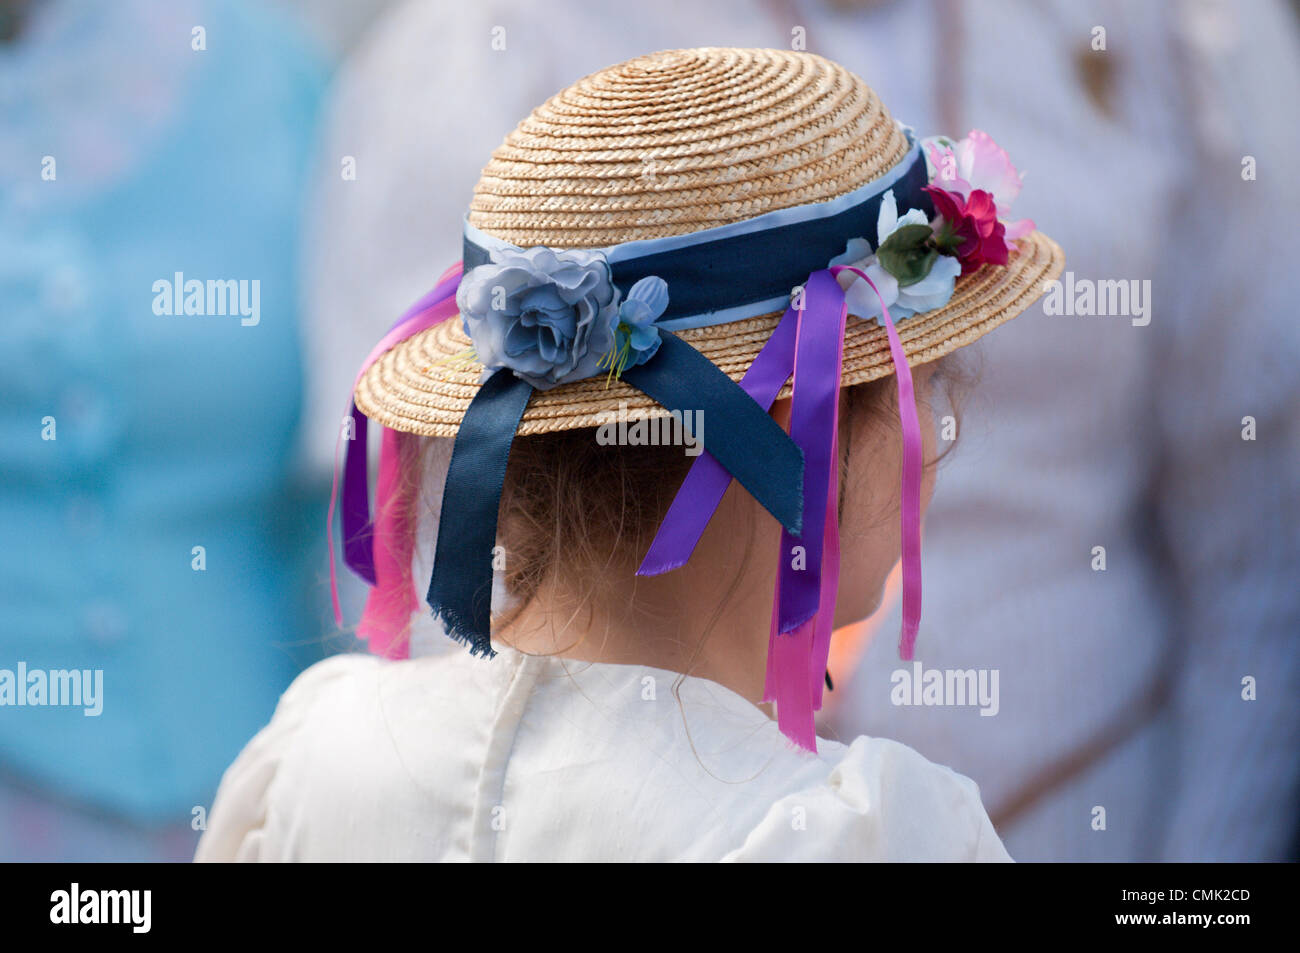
{"x": 423, "y": 385}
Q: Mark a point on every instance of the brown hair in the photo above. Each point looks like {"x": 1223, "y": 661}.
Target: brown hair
{"x": 597, "y": 507}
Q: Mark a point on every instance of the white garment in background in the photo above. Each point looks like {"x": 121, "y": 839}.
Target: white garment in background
{"x": 523, "y": 758}
{"x": 1089, "y": 431}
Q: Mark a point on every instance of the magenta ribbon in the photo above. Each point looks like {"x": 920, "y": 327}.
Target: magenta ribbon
{"x": 808, "y": 343}
{"x": 381, "y": 552}
{"x": 911, "y": 481}
{"x": 808, "y": 564}
{"x": 392, "y": 599}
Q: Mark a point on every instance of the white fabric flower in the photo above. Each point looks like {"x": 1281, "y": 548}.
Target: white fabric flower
{"x": 932, "y": 291}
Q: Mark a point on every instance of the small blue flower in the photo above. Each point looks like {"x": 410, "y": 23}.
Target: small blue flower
{"x": 636, "y": 337}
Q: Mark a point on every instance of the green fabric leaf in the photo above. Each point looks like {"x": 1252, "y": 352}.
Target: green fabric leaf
{"x": 908, "y": 254}
{"x": 946, "y": 239}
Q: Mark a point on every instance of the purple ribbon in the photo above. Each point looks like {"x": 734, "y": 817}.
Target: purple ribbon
{"x": 808, "y": 573}
{"x": 819, "y": 343}
{"x": 707, "y": 480}
{"x": 358, "y": 528}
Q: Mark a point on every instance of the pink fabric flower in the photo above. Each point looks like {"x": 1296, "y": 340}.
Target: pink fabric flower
{"x": 969, "y": 228}
{"x": 977, "y": 163}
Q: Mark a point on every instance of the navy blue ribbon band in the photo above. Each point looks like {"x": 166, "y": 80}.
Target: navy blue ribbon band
{"x": 741, "y": 269}
{"x": 460, "y": 590}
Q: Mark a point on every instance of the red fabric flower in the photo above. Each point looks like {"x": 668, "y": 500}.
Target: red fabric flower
{"x": 970, "y": 229}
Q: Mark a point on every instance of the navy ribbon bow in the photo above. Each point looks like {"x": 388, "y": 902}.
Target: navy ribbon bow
{"x": 741, "y": 437}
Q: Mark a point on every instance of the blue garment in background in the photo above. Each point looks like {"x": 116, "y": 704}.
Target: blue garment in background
{"x": 172, "y": 431}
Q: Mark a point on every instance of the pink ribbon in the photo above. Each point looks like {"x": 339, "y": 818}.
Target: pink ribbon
{"x": 382, "y": 553}
{"x": 391, "y": 601}
{"x": 911, "y": 482}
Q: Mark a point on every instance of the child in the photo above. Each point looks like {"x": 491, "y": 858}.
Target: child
{"x": 655, "y": 259}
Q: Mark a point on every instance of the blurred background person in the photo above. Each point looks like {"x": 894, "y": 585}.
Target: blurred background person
{"x": 1120, "y": 689}
{"x": 150, "y": 525}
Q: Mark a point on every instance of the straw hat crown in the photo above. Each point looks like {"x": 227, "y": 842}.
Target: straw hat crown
{"x": 683, "y": 140}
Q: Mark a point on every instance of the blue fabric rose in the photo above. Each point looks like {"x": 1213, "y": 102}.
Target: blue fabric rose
{"x": 548, "y": 316}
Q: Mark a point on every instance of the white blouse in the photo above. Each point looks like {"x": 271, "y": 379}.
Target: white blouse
{"x": 527, "y": 758}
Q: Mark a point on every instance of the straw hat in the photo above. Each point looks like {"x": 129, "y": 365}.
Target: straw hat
{"x": 673, "y": 143}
